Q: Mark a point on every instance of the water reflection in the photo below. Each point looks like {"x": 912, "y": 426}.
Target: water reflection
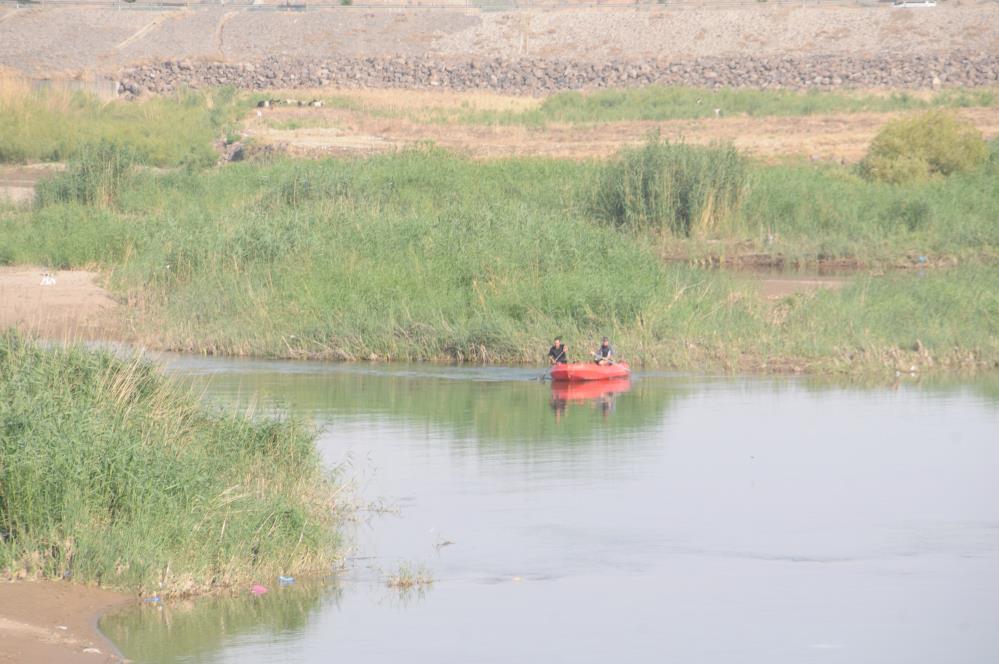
{"x": 500, "y": 406}
{"x": 196, "y": 631}
{"x": 601, "y": 393}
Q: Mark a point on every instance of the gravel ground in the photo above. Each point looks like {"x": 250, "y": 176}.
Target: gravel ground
{"x": 50, "y": 39}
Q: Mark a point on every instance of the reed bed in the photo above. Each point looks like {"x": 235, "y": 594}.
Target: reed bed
{"x": 684, "y": 190}
{"x": 111, "y": 474}
{"x": 423, "y": 255}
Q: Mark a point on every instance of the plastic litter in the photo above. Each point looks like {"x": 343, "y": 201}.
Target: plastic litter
{"x": 286, "y": 580}
{"x": 257, "y": 589}
{"x": 155, "y": 599}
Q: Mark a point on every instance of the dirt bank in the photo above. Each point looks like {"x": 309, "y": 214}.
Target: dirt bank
{"x": 52, "y": 622}
{"x": 73, "y": 306}
{"x": 841, "y": 137}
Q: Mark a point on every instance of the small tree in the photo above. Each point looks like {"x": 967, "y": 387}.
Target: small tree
{"x": 919, "y": 147}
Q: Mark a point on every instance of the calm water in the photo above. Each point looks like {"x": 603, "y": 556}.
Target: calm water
{"x": 689, "y": 519}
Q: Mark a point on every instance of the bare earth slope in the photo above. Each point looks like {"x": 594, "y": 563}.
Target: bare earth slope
{"x": 46, "y": 40}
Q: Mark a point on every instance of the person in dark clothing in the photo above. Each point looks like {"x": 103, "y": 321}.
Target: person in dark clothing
{"x": 605, "y": 353}
{"x": 557, "y": 353}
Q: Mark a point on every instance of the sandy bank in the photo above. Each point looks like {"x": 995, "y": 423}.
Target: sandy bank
{"x": 52, "y": 622}
{"x": 73, "y": 306}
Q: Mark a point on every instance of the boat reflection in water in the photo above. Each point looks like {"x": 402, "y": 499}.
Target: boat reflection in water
{"x": 600, "y": 392}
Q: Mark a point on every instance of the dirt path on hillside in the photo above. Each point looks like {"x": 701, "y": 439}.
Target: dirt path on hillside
{"x": 72, "y": 307}
{"x": 841, "y": 137}
{"x": 53, "y": 622}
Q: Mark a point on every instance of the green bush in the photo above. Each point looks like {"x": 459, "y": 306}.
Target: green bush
{"x": 916, "y": 148}
{"x": 683, "y": 189}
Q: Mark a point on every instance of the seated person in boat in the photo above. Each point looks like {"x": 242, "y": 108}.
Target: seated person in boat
{"x": 556, "y": 354}
{"x": 604, "y": 354}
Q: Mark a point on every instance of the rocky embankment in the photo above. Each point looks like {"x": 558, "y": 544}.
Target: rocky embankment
{"x": 537, "y": 76}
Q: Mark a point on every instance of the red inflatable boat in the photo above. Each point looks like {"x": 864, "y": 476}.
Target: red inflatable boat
{"x": 581, "y": 371}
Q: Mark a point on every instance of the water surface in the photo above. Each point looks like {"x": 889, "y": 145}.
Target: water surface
{"x": 687, "y": 519}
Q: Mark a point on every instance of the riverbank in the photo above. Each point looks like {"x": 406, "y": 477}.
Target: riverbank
{"x": 425, "y": 255}
{"x": 55, "y": 622}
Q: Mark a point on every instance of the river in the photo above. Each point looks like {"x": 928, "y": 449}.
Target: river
{"x": 683, "y": 519}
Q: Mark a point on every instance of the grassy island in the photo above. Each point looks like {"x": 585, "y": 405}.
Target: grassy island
{"x": 112, "y": 474}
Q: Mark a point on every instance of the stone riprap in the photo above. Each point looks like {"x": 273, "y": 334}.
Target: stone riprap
{"x": 538, "y": 77}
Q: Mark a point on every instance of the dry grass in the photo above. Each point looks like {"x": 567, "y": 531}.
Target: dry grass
{"x": 840, "y": 137}
{"x": 57, "y": 124}
{"x": 409, "y": 577}
{"x": 18, "y": 94}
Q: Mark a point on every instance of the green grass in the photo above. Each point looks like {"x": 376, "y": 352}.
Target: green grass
{"x": 656, "y": 102}
{"x": 815, "y": 212}
{"x": 164, "y": 131}
{"x": 423, "y": 255}
{"x": 938, "y": 320}
{"x": 110, "y": 474}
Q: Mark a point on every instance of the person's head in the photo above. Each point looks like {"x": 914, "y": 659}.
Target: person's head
{"x": 605, "y": 342}
{"x": 558, "y": 341}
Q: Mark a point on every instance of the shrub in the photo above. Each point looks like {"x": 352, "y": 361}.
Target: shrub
{"x": 919, "y": 147}
{"x": 684, "y": 189}
{"x": 95, "y": 177}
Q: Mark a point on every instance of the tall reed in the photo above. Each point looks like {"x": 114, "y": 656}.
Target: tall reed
{"x": 686, "y": 190}
{"x": 95, "y": 176}
{"x": 109, "y": 473}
